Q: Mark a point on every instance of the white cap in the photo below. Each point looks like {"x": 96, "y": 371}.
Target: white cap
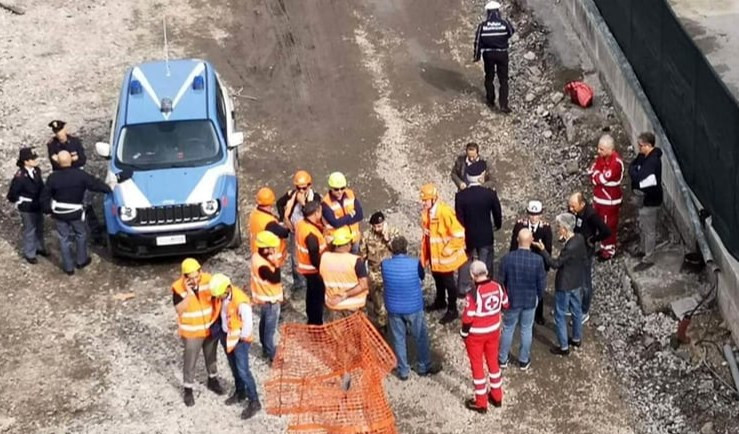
{"x": 491, "y": 6}
{"x": 534, "y": 207}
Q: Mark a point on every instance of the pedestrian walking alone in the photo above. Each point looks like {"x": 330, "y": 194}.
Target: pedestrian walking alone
{"x": 491, "y": 44}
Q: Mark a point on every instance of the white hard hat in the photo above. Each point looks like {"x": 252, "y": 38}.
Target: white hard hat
{"x": 534, "y": 207}
{"x": 491, "y": 6}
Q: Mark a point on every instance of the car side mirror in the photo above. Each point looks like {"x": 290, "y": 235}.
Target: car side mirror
{"x": 236, "y": 140}
{"x": 102, "y": 149}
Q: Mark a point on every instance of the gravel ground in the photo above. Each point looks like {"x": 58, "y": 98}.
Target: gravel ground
{"x": 403, "y": 100}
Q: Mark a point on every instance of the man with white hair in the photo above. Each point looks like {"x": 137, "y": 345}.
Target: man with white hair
{"x": 568, "y": 283}
{"x": 491, "y": 44}
{"x": 481, "y": 333}
{"x": 606, "y": 174}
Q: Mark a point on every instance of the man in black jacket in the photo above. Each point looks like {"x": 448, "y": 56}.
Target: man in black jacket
{"x": 646, "y": 182}
{"x": 478, "y": 210}
{"x": 491, "y": 44}
{"x": 568, "y": 282}
{"x": 593, "y": 229}
{"x": 63, "y": 197}
{"x": 25, "y": 191}
{"x": 459, "y": 170}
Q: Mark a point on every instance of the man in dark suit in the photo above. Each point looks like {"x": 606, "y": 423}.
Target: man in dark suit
{"x": 478, "y": 210}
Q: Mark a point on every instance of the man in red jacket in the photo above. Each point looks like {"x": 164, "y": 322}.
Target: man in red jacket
{"x": 481, "y": 333}
{"x": 606, "y": 174}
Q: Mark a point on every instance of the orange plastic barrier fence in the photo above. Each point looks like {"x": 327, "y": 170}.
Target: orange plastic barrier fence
{"x": 329, "y": 378}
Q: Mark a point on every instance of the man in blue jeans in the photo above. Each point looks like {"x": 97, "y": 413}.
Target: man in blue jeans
{"x": 568, "y": 283}
{"x": 402, "y": 276}
{"x": 524, "y": 278}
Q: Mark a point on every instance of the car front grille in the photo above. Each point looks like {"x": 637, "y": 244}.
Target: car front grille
{"x": 170, "y": 214}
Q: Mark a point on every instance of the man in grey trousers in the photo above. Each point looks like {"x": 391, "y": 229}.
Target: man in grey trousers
{"x": 646, "y": 182}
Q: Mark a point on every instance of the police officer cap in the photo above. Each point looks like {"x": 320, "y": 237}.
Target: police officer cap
{"x": 492, "y": 6}
{"x": 477, "y": 168}
{"x": 377, "y": 218}
{"x": 534, "y": 207}
{"x": 24, "y": 155}
{"x": 56, "y": 126}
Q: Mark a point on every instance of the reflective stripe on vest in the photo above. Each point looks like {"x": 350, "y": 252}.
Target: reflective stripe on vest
{"x": 339, "y": 276}
{"x": 258, "y": 221}
{"x": 262, "y": 290}
{"x": 201, "y": 311}
{"x": 233, "y": 334}
{"x": 304, "y": 229}
{"x": 339, "y": 212}
{"x": 434, "y": 223}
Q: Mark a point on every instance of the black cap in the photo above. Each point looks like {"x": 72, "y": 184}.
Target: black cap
{"x": 377, "y": 218}
{"x": 477, "y": 168}
{"x": 56, "y": 126}
{"x": 24, "y": 155}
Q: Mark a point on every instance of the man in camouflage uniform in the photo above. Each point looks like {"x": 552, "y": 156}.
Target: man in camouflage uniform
{"x": 374, "y": 248}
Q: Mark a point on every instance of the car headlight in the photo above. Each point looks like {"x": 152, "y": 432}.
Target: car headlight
{"x": 209, "y": 207}
{"x": 127, "y": 213}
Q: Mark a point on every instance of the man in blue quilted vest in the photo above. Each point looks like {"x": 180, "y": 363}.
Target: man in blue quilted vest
{"x": 402, "y": 275}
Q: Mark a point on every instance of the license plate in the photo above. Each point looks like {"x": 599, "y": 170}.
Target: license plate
{"x": 171, "y": 240}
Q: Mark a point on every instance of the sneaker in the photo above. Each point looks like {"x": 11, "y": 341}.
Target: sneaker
{"x": 43, "y": 253}
{"x": 31, "y": 260}
{"x": 69, "y": 272}
{"x": 400, "y": 377}
{"x": 188, "y": 397}
{"x": 84, "y": 264}
{"x": 434, "y": 369}
{"x": 505, "y": 110}
{"x": 503, "y": 365}
{"x": 585, "y": 318}
{"x": 472, "y": 405}
{"x": 493, "y": 402}
{"x": 524, "y": 365}
{"x": 576, "y": 344}
{"x": 448, "y": 317}
{"x": 235, "y": 398}
{"x": 435, "y": 306}
{"x": 215, "y": 387}
{"x": 557, "y": 351}
{"x": 251, "y": 409}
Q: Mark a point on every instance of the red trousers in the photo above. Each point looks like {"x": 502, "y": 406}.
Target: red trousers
{"x": 481, "y": 349}
{"x": 609, "y": 214}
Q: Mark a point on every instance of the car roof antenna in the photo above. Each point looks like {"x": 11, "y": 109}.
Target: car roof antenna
{"x": 166, "y": 44}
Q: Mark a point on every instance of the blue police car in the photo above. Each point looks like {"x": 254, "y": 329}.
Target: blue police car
{"x": 173, "y": 137}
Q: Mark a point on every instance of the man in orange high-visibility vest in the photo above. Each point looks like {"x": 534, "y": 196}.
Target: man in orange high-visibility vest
{"x": 236, "y": 321}
{"x": 197, "y": 311}
{"x": 266, "y": 289}
{"x": 262, "y": 219}
{"x": 345, "y": 276}
{"x": 443, "y": 248}
{"x": 310, "y": 245}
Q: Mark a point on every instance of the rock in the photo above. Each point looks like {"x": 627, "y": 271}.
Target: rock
{"x": 529, "y": 97}
{"x": 515, "y": 38}
{"x": 548, "y": 134}
{"x": 530, "y": 55}
{"x": 601, "y": 328}
{"x": 556, "y": 97}
{"x": 572, "y": 168}
{"x": 707, "y": 428}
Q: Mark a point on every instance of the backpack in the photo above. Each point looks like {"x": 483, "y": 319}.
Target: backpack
{"x": 580, "y": 93}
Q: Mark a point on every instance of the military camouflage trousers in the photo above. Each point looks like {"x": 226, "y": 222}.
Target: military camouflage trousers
{"x": 376, "y": 297}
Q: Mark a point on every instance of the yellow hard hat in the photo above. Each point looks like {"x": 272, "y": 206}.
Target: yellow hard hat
{"x": 265, "y": 197}
{"x": 342, "y": 236}
{"x": 190, "y": 265}
{"x": 337, "y": 180}
{"x": 218, "y": 284}
{"x": 428, "y": 192}
{"x": 267, "y": 239}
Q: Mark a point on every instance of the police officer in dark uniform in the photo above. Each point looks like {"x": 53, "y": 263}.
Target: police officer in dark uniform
{"x": 491, "y": 43}
{"x": 25, "y": 192}
{"x": 63, "y": 197}
{"x": 63, "y": 141}
{"x": 542, "y": 232}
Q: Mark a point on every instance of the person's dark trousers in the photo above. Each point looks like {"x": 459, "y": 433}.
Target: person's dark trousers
{"x": 97, "y": 230}
{"x": 445, "y": 285}
{"x": 485, "y": 254}
{"x": 269, "y": 317}
{"x": 415, "y": 325}
{"x": 314, "y": 298}
{"x": 587, "y": 290}
{"x": 539, "y": 315}
{"x": 496, "y": 62}
{"x": 238, "y": 361}
{"x": 69, "y": 231}
{"x": 33, "y": 233}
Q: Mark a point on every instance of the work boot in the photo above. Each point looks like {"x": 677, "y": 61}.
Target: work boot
{"x": 251, "y": 409}
{"x": 235, "y": 398}
{"x": 188, "y": 397}
{"x": 448, "y": 317}
{"x": 472, "y": 405}
{"x": 215, "y": 387}
{"x": 436, "y": 306}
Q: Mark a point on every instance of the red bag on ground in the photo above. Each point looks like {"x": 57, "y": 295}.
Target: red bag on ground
{"x": 580, "y": 93}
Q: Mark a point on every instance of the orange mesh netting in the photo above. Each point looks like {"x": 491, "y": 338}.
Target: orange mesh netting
{"x": 329, "y": 378}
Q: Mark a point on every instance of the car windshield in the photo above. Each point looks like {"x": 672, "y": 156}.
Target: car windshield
{"x": 168, "y": 144}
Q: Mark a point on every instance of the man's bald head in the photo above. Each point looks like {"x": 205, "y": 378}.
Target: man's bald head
{"x": 525, "y": 238}
{"x": 64, "y": 158}
{"x": 576, "y": 202}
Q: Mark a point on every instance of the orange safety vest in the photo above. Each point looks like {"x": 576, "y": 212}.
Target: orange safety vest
{"x": 262, "y": 290}
{"x": 258, "y": 221}
{"x": 342, "y": 211}
{"x": 441, "y": 228}
{"x": 201, "y": 312}
{"x": 304, "y": 229}
{"x": 233, "y": 319}
{"x": 339, "y": 276}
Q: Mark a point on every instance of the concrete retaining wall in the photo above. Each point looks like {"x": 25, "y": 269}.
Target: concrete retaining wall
{"x": 638, "y": 116}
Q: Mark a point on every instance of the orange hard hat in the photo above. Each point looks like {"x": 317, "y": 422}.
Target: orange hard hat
{"x": 302, "y": 179}
{"x": 428, "y": 192}
{"x": 265, "y": 196}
